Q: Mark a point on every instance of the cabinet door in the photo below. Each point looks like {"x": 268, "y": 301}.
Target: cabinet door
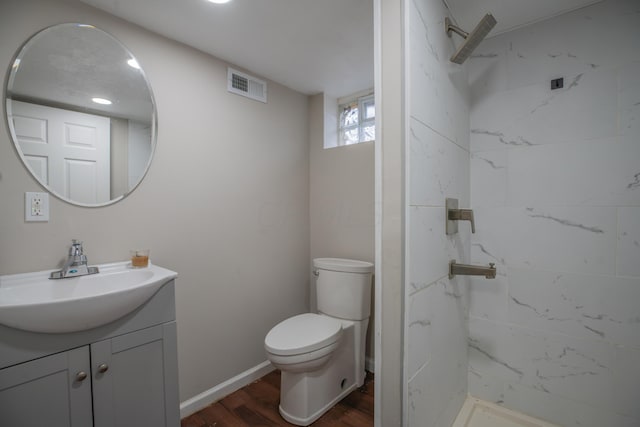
{"x": 135, "y": 381}
{"x": 51, "y": 391}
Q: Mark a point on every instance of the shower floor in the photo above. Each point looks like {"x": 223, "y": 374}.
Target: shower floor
{"x": 478, "y": 413}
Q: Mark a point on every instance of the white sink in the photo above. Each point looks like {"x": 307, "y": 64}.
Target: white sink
{"x": 33, "y": 302}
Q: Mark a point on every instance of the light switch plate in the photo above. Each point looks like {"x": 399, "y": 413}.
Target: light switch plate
{"x": 36, "y": 207}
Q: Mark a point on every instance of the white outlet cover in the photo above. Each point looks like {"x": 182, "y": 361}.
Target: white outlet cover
{"x": 29, "y": 199}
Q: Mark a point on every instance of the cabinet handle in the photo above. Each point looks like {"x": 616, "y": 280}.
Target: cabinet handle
{"x": 81, "y": 376}
{"x": 102, "y": 368}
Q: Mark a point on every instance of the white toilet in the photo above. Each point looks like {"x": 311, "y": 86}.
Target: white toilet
{"x": 321, "y": 356}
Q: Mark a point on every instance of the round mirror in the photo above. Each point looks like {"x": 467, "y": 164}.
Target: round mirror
{"x": 81, "y": 114}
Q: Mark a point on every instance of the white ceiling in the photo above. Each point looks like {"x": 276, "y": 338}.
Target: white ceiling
{"x": 310, "y": 46}
{"x": 68, "y": 64}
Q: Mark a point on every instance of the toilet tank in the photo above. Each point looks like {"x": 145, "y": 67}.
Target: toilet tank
{"x": 343, "y": 287}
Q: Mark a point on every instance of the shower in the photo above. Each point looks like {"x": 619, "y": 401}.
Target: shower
{"x": 472, "y": 40}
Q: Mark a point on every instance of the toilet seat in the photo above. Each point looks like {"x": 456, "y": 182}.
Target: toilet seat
{"x": 304, "y": 333}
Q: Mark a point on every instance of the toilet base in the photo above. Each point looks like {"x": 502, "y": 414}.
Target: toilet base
{"x": 306, "y": 396}
{"x": 313, "y": 417}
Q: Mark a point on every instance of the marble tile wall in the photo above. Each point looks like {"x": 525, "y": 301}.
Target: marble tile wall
{"x": 555, "y": 186}
{"x": 437, "y": 160}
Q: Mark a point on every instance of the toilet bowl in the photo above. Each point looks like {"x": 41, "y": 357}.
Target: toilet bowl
{"x": 303, "y": 343}
{"x": 321, "y": 355}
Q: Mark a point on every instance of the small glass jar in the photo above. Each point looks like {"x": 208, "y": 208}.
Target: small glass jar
{"x": 139, "y": 258}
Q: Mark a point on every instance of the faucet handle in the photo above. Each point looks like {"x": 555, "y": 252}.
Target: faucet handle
{"x": 462, "y": 215}
{"x": 467, "y": 214}
{"x": 76, "y": 247}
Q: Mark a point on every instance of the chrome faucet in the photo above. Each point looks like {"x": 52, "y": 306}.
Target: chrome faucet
{"x": 76, "y": 264}
{"x": 471, "y": 270}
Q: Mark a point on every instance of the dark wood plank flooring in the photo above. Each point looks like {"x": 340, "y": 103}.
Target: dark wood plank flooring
{"x": 257, "y": 405}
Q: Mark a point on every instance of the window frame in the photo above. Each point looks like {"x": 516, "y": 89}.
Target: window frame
{"x": 362, "y": 123}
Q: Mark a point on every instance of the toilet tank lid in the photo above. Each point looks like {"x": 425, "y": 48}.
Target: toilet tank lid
{"x": 344, "y": 265}
{"x": 302, "y": 334}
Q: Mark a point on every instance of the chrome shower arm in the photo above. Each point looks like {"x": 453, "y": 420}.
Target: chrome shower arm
{"x": 451, "y": 27}
{"x": 472, "y": 39}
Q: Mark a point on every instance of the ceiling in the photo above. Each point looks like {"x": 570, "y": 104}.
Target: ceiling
{"x": 69, "y": 64}
{"x": 310, "y": 46}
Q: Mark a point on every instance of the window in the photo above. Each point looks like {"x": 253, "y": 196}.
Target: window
{"x": 357, "y": 122}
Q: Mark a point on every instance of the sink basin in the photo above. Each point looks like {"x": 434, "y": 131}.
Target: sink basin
{"x": 33, "y": 302}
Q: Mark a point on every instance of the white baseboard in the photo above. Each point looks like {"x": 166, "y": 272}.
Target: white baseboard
{"x": 207, "y": 397}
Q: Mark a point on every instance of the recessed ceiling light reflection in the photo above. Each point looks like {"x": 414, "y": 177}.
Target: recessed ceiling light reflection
{"x": 101, "y": 101}
{"x": 219, "y": 1}
{"x": 133, "y": 63}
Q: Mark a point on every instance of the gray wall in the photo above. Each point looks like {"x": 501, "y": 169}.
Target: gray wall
{"x": 389, "y": 196}
{"x": 341, "y": 192}
{"x": 556, "y": 194}
{"x": 341, "y": 197}
{"x": 225, "y": 203}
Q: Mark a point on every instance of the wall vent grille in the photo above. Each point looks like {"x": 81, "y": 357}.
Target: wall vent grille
{"x": 245, "y": 85}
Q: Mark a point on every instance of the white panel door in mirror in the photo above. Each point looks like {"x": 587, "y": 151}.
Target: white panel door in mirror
{"x": 69, "y": 151}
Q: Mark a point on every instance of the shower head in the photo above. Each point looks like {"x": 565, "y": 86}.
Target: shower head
{"x": 472, "y": 39}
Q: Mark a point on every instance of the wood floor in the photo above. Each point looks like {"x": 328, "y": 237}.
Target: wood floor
{"x": 257, "y": 405}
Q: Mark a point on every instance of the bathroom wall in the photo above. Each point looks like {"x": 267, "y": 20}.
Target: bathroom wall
{"x": 556, "y": 191}
{"x": 437, "y": 167}
{"x": 341, "y": 200}
{"x": 225, "y": 203}
{"x": 389, "y": 210}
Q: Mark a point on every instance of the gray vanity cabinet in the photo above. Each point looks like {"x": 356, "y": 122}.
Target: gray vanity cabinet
{"x": 132, "y": 379}
{"x": 123, "y": 374}
{"x": 47, "y": 391}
